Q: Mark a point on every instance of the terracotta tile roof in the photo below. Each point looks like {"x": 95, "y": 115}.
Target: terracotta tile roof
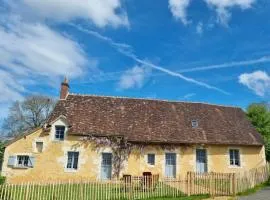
{"x": 142, "y": 120}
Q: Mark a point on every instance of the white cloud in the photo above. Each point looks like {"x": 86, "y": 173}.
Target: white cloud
{"x": 199, "y": 28}
{"x": 35, "y": 48}
{"x": 223, "y": 7}
{"x": 257, "y": 81}
{"x": 101, "y": 12}
{"x": 134, "y": 77}
{"x": 178, "y": 9}
{"x": 33, "y": 51}
{"x": 9, "y": 88}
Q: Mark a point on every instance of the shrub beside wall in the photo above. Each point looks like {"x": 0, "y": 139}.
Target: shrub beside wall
{"x": 2, "y": 180}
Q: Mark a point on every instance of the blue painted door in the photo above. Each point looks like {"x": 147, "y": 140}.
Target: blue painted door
{"x": 106, "y": 166}
{"x": 201, "y": 160}
{"x": 170, "y": 165}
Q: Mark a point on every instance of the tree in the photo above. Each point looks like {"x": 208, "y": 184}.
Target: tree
{"x": 259, "y": 115}
{"x": 30, "y": 113}
{"x": 2, "y": 149}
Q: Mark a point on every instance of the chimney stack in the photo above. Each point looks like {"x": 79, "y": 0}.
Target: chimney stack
{"x": 64, "y": 89}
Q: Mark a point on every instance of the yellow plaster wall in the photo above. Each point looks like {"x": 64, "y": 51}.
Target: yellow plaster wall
{"x": 218, "y": 159}
{"x": 50, "y": 164}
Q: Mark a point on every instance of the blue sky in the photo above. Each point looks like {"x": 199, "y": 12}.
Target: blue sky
{"x": 214, "y": 51}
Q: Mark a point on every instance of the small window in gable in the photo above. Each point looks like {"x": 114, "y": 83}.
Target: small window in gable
{"x": 39, "y": 147}
{"x": 60, "y": 133}
{"x": 151, "y": 159}
{"x": 194, "y": 123}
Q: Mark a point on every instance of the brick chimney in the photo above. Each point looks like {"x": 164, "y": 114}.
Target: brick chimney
{"x": 64, "y": 89}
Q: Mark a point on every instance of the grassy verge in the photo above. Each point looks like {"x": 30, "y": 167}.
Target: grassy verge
{"x": 195, "y": 197}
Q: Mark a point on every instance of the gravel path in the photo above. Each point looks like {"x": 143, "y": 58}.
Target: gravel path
{"x": 264, "y": 194}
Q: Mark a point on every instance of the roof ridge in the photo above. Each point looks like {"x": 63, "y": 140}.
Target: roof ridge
{"x": 148, "y": 99}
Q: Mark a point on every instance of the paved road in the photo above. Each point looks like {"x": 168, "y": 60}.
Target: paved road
{"x": 261, "y": 195}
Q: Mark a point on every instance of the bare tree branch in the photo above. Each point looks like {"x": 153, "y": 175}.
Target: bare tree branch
{"x": 28, "y": 114}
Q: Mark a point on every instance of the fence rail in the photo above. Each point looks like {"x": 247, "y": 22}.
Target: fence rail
{"x": 214, "y": 184}
{"x": 249, "y": 179}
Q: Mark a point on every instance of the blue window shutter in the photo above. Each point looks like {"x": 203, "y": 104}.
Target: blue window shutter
{"x": 31, "y": 161}
{"x": 12, "y": 161}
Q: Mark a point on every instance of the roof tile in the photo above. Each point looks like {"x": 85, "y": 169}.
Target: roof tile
{"x": 142, "y": 120}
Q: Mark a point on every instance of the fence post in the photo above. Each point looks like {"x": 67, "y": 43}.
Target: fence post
{"x": 130, "y": 188}
{"x": 211, "y": 184}
{"x": 234, "y": 184}
{"x": 27, "y": 190}
{"x": 188, "y": 183}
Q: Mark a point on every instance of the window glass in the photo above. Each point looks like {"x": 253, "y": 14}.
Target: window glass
{"x": 106, "y": 159}
{"x": 72, "y": 160}
{"x": 106, "y": 166}
{"x": 151, "y": 159}
{"x": 170, "y": 158}
{"x": 234, "y": 157}
{"x": 39, "y": 147}
{"x": 59, "y": 132}
{"x": 23, "y": 161}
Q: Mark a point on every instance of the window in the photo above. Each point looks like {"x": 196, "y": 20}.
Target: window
{"x": 234, "y": 157}
{"x": 170, "y": 165}
{"x": 201, "y": 161}
{"x": 72, "y": 161}
{"x": 21, "y": 161}
{"x": 39, "y": 147}
{"x": 59, "y": 132}
{"x": 194, "y": 123}
{"x": 106, "y": 166}
{"x": 151, "y": 159}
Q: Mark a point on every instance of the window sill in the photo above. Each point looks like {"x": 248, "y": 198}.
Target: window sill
{"x": 21, "y": 167}
{"x": 58, "y": 141}
{"x": 71, "y": 170}
{"x": 150, "y": 165}
{"x": 235, "y": 166}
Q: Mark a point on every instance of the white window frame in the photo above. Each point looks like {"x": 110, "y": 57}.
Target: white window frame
{"x": 66, "y": 163}
{"x": 154, "y": 156}
{"x": 106, "y": 150}
{"x": 37, "y": 148}
{"x": 55, "y": 128}
{"x": 22, "y": 165}
{"x": 239, "y": 157}
{"x": 16, "y": 165}
{"x": 207, "y": 158}
{"x": 194, "y": 123}
{"x": 177, "y": 166}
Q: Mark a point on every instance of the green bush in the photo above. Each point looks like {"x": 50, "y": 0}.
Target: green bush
{"x": 268, "y": 182}
{"x": 2, "y": 180}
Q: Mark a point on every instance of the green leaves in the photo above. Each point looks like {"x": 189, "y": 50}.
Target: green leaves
{"x": 259, "y": 115}
{"x": 2, "y": 149}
